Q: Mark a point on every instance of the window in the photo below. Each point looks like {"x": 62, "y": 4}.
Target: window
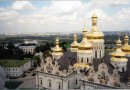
{"x": 123, "y": 69}
{"x": 68, "y": 84}
{"x": 82, "y": 60}
{"x": 59, "y": 86}
{"x": 95, "y": 54}
{"x": 87, "y": 60}
{"x": 76, "y": 81}
{"x": 49, "y": 83}
{"x": 41, "y": 82}
{"x": 100, "y": 53}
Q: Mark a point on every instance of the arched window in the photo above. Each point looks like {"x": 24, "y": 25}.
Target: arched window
{"x": 87, "y": 60}
{"x": 82, "y": 60}
{"x": 49, "y": 83}
{"x": 76, "y": 81}
{"x": 59, "y": 86}
{"x": 100, "y": 54}
{"x": 40, "y": 82}
{"x": 123, "y": 69}
{"x": 95, "y": 54}
{"x": 68, "y": 84}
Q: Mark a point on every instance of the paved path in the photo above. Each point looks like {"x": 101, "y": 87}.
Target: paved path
{"x": 30, "y": 83}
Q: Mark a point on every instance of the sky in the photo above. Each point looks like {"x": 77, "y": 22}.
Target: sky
{"x": 37, "y": 16}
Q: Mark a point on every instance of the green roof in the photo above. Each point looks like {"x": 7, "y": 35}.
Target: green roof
{"x": 13, "y": 63}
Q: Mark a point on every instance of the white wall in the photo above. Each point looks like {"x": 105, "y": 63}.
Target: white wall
{"x": 55, "y": 81}
{"x": 28, "y": 49}
{"x": 17, "y": 71}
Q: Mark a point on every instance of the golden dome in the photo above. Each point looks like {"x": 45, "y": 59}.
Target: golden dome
{"x": 118, "y": 52}
{"x": 126, "y": 37}
{"x": 119, "y": 55}
{"x": 57, "y": 49}
{"x": 84, "y": 44}
{"x": 118, "y": 43}
{"x": 94, "y": 15}
{"x": 95, "y": 34}
{"x": 126, "y": 46}
{"x": 75, "y": 43}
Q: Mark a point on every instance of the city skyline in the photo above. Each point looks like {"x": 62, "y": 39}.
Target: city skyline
{"x": 63, "y": 16}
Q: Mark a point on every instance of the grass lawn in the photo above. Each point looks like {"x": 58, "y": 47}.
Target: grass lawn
{"x": 12, "y": 85}
{"x": 12, "y": 62}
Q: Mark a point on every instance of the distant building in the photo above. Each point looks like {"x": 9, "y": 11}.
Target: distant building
{"x": 28, "y": 48}
{"x": 2, "y": 78}
{"x": 31, "y": 42}
{"x": 15, "y": 68}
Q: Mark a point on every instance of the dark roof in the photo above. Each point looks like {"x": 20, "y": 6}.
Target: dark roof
{"x": 106, "y": 60}
{"x": 29, "y": 44}
{"x": 69, "y": 58}
{"x": 98, "y": 61}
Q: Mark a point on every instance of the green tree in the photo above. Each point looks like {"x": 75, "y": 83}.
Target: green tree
{"x": 18, "y": 54}
{"x": 11, "y": 46}
{"x": 37, "y": 60}
{"x": 43, "y": 48}
{"x": 46, "y": 54}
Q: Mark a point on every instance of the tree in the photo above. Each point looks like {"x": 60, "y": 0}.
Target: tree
{"x": 46, "y": 54}
{"x": 18, "y": 54}
{"x": 28, "y": 55}
{"x": 43, "y": 48}
{"x": 37, "y": 60}
{"x": 11, "y": 46}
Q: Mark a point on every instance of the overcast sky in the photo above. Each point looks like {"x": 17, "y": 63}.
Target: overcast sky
{"x": 62, "y": 16}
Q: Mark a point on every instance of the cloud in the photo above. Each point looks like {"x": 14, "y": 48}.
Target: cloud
{"x": 123, "y": 14}
{"x": 62, "y": 16}
{"x": 110, "y": 3}
{"x": 7, "y": 14}
{"x": 22, "y": 5}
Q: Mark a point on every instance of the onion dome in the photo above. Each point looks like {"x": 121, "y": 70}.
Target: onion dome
{"x": 95, "y": 33}
{"x": 57, "y": 50}
{"x": 84, "y": 44}
{"x": 75, "y": 43}
{"x": 126, "y": 46}
{"x": 119, "y": 55}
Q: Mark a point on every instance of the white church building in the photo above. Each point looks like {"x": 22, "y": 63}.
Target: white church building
{"x": 85, "y": 66}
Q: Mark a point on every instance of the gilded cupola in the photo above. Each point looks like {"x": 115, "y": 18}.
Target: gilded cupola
{"x": 119, "y": 55}
{"x": 57, "y": 50}
{"x": 74, "y": 45}
{"x": 95, "y": 34}
{"x": 84, "y": 44}
{"x": 126, "y": 46}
